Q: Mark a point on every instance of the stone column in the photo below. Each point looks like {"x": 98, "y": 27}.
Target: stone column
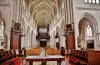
{"x": 98, "y": 43}
{"x": 69, "y": 11}
{"x": 62, "y": 41}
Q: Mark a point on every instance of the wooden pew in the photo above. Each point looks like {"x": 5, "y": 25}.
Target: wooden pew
{"x": 93, "y": 57}
{"x": 78, "y": 56}
{"x": 11, "y": 54}
{"x": 33, "y": 51}
{"x": 2, "y": 59}
{"x": 52, "y": 51}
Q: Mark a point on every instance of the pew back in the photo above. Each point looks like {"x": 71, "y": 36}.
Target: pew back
{"x": 93, "y": 57}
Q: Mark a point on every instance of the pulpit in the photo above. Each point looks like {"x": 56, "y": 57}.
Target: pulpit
{"x": 70, "y": 40}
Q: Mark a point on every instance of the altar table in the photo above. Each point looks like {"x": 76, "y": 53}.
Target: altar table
{"x": 57, "y": 58}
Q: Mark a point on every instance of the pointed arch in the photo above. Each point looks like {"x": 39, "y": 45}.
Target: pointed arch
{"x": 87, "y": 21}
{"x": 3, "y": 36}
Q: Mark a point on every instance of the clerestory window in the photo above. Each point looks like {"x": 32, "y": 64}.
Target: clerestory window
{"x": 93, "y": 1}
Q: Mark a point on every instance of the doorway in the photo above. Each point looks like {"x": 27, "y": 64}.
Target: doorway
{"x": 43, "y": 43}
{"x": 90, "y": 44}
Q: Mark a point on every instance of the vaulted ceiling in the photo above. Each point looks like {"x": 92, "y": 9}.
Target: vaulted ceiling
{"x": 43, "y": 11}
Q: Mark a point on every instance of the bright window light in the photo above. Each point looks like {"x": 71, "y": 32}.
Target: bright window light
{"x": 93, "y": 1}
{"x": 97, "y": 1}
{"x": 90, "y": 1}
{"x": 89, "y": 30}
{"x": 86, "y": 0}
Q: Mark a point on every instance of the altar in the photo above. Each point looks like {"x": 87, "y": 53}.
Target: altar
{"x": 57, "y": 58}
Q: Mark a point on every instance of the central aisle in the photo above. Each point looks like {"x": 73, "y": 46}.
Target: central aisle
{"x": 42, "y": 52}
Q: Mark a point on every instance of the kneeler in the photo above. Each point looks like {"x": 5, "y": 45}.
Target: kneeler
{"x": 16, "y": 61}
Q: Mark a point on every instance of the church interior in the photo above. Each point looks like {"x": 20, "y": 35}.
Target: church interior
{"x": 49, "y": 32}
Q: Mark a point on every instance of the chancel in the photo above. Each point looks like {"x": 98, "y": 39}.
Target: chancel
{"x": 49, "y": 32}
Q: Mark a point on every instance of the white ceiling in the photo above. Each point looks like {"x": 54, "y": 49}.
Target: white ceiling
{"x": 43, "y": 11}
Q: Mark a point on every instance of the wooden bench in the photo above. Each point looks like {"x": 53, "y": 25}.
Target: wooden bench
{"x": 93, "y": 57}
{"x": 11, "y": 54}
{"x": 52, "y": 51}
{"x": 78, "y": 56}
{"x": 33, "y": 51}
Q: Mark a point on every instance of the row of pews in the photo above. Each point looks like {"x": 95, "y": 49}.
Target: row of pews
{"x": 33, "y": 51}
{"x": 94, "y": 57}
{"x": 11, "y": 54}
{"x": 52, "y": 51}
{"x": 78, "y": 57}
{"x": 37, "y": 51}
{"x": 75, "y": 57}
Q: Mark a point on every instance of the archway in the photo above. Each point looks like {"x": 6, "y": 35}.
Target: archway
{"x": 2, "y": 33}
{"x": 3, "y": 36}
{"x": 87, "y": 32}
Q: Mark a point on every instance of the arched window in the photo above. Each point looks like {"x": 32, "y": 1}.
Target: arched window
{"x": 90, "y": 1}
{"x": 2, "y": 35}
{"x": 89, "y": 31}
{"x": 1, "y": 28}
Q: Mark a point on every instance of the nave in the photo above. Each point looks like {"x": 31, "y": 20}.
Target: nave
{"x": 50, "y": 30}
